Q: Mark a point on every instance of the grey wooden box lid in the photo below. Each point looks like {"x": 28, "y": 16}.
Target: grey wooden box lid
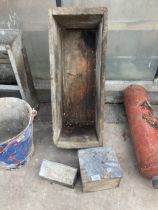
{"x": 99, "y": 168}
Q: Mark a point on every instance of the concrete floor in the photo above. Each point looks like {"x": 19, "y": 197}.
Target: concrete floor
{"x": 23, "y": 189}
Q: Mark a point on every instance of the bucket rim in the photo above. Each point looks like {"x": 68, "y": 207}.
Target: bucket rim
{"x": 15, "y": 138}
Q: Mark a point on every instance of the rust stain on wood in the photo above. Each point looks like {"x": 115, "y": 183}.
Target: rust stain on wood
{"x": 79, "y": 77}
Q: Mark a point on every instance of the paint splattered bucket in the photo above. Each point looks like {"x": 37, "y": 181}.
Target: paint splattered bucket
{"x": 16, "y": 132}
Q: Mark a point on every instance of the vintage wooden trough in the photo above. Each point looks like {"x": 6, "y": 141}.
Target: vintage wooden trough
{"x": 77, "y": 43}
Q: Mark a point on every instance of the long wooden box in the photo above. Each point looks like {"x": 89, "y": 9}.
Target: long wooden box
{"x": 77, "y": 48}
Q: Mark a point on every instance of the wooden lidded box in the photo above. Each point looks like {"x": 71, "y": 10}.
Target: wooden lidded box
{"x": 77, "y": 48}
{"x": 99, "y": 168}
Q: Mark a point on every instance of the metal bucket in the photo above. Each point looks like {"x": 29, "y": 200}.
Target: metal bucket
{"x": 16, "y": 132}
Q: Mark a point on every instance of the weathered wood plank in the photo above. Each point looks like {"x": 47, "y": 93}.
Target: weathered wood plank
{"x": 57, "y": 172}
{"x": 101, "y": 96}
{"x": 27, "y": 81}
{"x": 99, "y": 169}
{"x": 55, "y": 76}
{"x": 71, "y": 17}
{"x": 99, "y": 116}
{"x": 78, "y": 11}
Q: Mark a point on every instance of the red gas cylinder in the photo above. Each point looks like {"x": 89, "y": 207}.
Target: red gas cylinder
{"x": 144, "y": 131}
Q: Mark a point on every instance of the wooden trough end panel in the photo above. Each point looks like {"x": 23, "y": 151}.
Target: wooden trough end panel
{"x": 77, "y": 43}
